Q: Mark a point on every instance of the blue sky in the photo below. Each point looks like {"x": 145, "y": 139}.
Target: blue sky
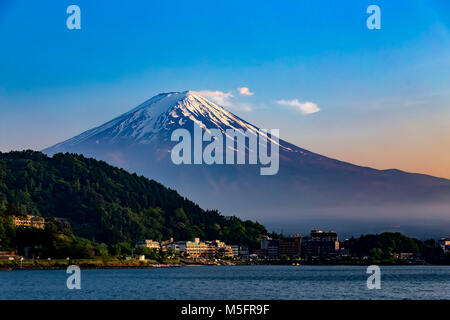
{"x": 383, "y": 95}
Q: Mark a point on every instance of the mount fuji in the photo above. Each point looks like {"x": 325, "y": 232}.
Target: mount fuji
{"x": 309, "y": 190}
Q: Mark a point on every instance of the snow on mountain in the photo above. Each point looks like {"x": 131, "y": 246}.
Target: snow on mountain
{"x": 161, "y": 115}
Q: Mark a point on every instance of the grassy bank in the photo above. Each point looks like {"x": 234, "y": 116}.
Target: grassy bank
{"x": 82, "y": 263}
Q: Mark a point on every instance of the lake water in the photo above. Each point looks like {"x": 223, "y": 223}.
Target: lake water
{"x": 233, "y": 282}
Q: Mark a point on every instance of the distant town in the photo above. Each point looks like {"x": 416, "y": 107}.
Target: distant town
{"x": 321, "y": 247}
{"x": 319, "y": 244}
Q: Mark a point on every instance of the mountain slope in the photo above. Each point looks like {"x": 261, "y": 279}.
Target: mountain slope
{"x": 109, "y": 204}
{"x": 308, "y": 185}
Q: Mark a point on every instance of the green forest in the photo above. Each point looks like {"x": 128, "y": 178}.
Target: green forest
{"x": 382, "y": 247}
{"x": 108, "y": 208}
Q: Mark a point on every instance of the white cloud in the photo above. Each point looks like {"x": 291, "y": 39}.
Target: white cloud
{"x": 219, "y": 97}
{"x": 302, "y": 107}
{"x": 245, "y": 91}
{"x": 224, "y": 99}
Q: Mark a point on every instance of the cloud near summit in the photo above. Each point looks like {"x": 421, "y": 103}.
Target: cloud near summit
{"x": 219, "y": 97}
{"x": 302, "y": 107}
{"x": 225, "y": 99}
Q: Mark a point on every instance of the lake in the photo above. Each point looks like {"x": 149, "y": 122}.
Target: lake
{"x": 231, "y": 282}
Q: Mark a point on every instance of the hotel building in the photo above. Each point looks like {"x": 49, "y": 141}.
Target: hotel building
{"x": 28, "y": 221}
{"x": 321, "y": 243}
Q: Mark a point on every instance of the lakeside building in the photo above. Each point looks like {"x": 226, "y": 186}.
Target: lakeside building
{"x": 175, "y": 246}
{"x": 222, "y": 249}
{"x": 29, "y": 221}
{"x": 244, "y": 251}
{"x": 235, "y": 250}
{"x": 286, "y": 247}
{"x": 148, "y": 244}
{"x": 270, "y": 246}
{"x": 321, "y": 243}
{"x": 265, "y": 242}
{"x": 197, "y": 248}
{"x": 290, "y": 246}
{"x": 444, "y": 243}
{"x": 240, "y": 250}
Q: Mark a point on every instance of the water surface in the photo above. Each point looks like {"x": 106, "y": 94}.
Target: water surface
{"x": 233, "y": 282}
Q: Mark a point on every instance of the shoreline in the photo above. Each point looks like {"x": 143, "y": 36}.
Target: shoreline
{"x": 15, "y": 265}
{"x": 82, "y": 263}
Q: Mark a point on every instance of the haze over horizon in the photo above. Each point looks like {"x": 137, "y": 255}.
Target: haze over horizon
{"x": 373, "y": 98}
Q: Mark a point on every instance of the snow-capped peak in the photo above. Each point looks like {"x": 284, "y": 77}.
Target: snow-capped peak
{"x": 163, "y": 112}
{"x": 155, "y": 120}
